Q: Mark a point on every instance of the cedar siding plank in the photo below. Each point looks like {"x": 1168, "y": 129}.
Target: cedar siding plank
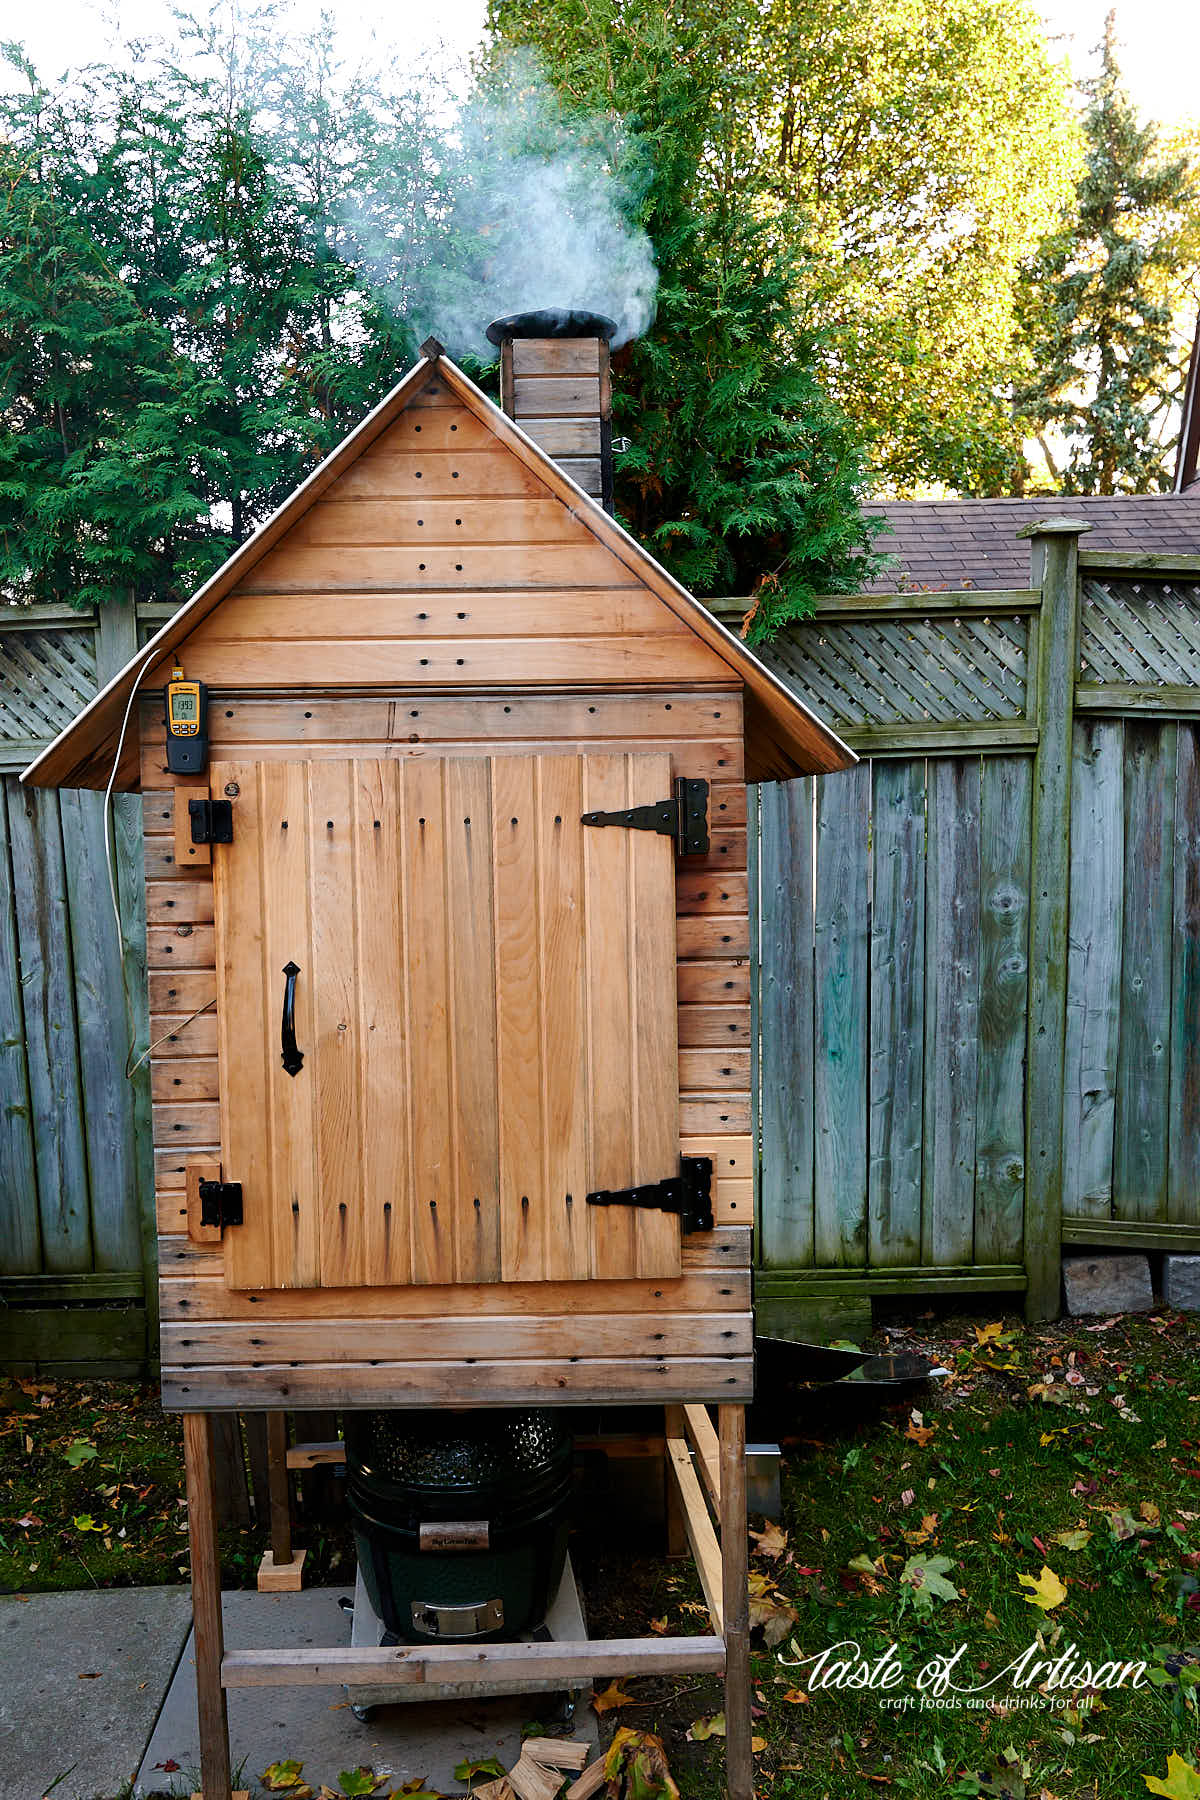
{"x": 658, "y": 1116}
{"x": 385, "y": 1049}
{"x": 562, "y": 1003}
{"x": 470, "y": 898}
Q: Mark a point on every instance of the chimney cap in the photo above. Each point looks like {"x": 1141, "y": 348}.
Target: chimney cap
{"x": 551, "y": 322}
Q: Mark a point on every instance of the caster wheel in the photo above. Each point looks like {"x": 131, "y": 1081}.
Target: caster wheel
{"x": 557, "y": 1709}
{"x": 362, "y": 1713}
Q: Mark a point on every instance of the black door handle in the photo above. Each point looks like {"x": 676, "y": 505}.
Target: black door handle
{"x": 293, "y": 1059}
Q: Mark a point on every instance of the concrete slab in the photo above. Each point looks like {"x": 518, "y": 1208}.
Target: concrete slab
{"x": 84, "y": 1674}
{"x": 316, "y": 1725}
{"x": 1181, "y": 1282}
{"x": 1107, "y": 1284}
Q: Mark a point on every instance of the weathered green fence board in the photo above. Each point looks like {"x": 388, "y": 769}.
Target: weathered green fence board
{"x": 897, "y": 1023}
{"x": 951, "y": 1012}
{"x": 785, "y": 1003}
{"x": 1004, "y": 825}
{"x": 841, "y": 953}
{"x": 1183, "y": 1140}
{"x": 47, "y": 987}
{"x": 1094, "y": 968}
{"x": 76, "y": 1177}
{"x": 1143, "y": 1072}
{"x": 100, "y": 1029}
{"x": 20, "y": 1235}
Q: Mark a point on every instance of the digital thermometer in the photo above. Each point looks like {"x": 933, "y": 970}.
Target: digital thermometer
{"x": 187, "y": 716}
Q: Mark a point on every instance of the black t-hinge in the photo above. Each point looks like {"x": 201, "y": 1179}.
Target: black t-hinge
{"x": 689, "y": 1194}
{"x": 220, "y": 1203}
{"x": 683, "y": 817}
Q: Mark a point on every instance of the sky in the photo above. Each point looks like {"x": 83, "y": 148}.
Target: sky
{"x": 1160, "y": 38}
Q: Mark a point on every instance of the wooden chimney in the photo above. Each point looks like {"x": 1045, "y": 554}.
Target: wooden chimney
{"x": 554, "y": 381}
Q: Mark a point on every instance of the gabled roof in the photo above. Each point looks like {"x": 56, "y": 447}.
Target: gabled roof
{"x": 783, "y": 735}
{"x": 975, "y": 543}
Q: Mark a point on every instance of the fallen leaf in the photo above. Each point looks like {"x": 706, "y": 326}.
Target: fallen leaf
{"x": 1122, "y": 1524}
{"x": 486, "y": 1765}
{"x": 770, "y": 1542}
{"x": 636, "y": 1765}
{"x": 281, "y": 1776}
{"x": 360, "y": 1781}
{"x": 1150, "y": 1514}
{"x": 1182, "y": 1782}
{"x": 659, "y": 1627}
{"x": 758, "y": 1744}
{"x": 984, "y": 1334}
{"x": 611, "y": 1698}
{"x": 770, "y": 1611}
{"x": 926, "y": 1576}
{"x": 1046, "y": 1590}
{"x": 1072, "y": 1540}
{"x": 702, "y": 1729}
{"x": 918, "y": 1432}
{"x": 796, "y": 1697}
{"x": 79, "y": 1452}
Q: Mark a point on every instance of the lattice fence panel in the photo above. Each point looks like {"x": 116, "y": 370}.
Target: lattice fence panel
{"x": 1140, "y": 633}
{"x": 46, "y": 675}
{"x": 890, "y": 670}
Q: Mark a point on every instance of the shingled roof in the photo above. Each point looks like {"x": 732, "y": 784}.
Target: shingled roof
{"x": 975, "y": 543}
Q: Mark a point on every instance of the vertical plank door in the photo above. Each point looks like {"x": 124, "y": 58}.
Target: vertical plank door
{"x": 485, "y": 1007}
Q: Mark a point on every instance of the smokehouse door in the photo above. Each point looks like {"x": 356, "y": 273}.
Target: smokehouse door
{"x": 447, "y": 1014}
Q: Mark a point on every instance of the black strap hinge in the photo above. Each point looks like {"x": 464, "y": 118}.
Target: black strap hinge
{"x": 220, "y": 1203}
{"x": 683, "y": 817}
{"x": 689, "y": 1194}
{"x": 212, "y": 821}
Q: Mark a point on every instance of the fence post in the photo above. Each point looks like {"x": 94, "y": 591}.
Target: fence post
{"x": 1055, "y": 569}
{"x": 116, "y": 643}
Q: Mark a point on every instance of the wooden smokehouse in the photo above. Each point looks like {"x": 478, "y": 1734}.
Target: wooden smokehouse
{"x": 449, "y": 993}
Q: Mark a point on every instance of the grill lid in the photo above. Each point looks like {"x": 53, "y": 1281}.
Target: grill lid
{"x": 444, "y": 1451}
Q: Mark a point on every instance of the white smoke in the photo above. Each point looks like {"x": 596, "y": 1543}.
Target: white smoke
{"x": 532, "y": 206}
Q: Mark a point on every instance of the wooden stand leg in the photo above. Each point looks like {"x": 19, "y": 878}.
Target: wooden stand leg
{"x": 739, "y": 1758}
{"x": 206, "y": 1606}
{"x": 281, "y": 1569}
{"x": 677, "y": 1539}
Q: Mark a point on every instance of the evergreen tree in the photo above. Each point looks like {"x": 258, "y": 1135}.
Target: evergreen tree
{"x": 92, "y": 484}
{"x": 741, "y": 474}
{"x": 906, "y": 158}
{"x": 190, "y": 305}
{"x": 1099, "y": 324}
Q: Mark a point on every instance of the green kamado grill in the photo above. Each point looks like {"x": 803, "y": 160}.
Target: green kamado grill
{"x": 460, "y": 1520}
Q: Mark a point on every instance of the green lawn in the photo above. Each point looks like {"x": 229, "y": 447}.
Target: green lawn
{"x": 1072, "y": 1448}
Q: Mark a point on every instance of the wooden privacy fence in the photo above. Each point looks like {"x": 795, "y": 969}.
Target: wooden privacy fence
{"x": 976, "y": 959}
{"x": 76, "y": 1187}
{"x": 978, "y": 953}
